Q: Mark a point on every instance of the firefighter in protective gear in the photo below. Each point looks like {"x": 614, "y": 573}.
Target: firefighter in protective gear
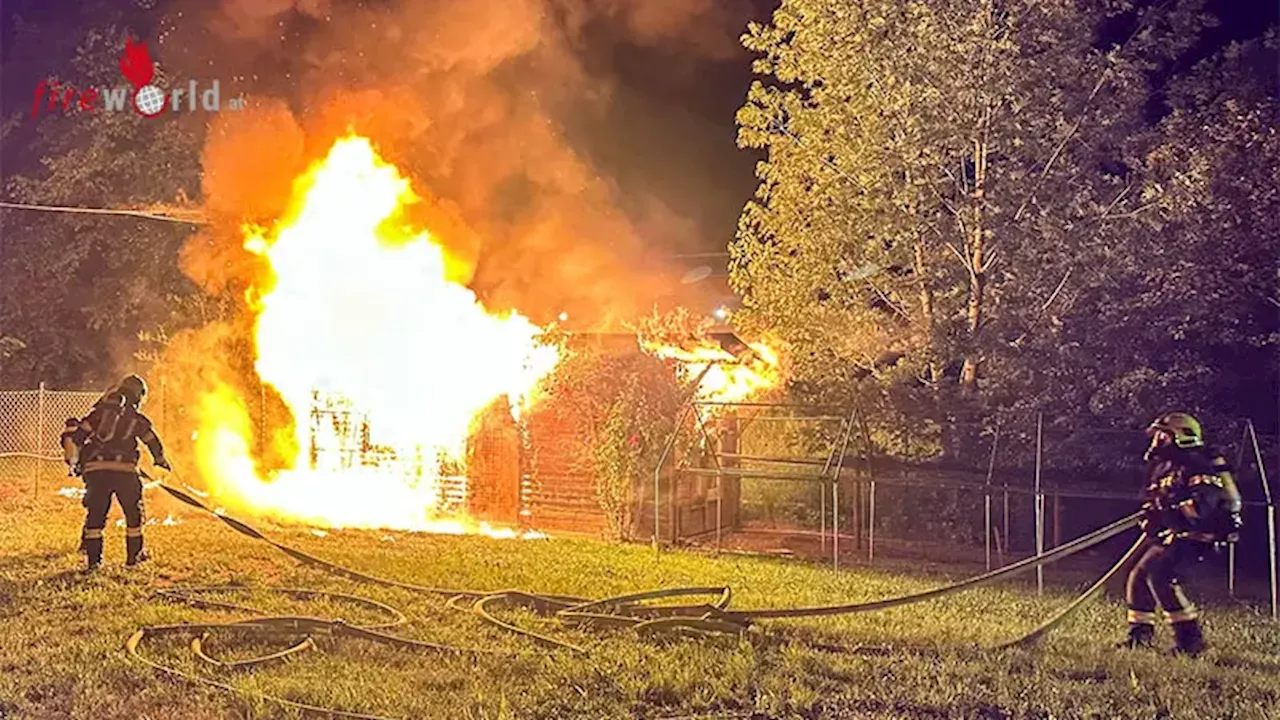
{"x": 1192, "y": 506}
{"x": 104, "y": 448}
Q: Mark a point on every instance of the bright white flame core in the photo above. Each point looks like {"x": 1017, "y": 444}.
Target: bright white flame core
{"x": 364, "y": 306}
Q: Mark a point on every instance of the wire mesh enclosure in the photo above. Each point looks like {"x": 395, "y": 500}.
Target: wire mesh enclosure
{"x": 828, "y": 482}
{"x": 30, "y": 423}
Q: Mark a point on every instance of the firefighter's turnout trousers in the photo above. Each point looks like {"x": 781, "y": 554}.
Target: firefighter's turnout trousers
{"x": 1154, "y": 583}
{"x": 100, "y": 486}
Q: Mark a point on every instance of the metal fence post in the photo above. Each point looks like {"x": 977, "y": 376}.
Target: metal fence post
{"x": 986, "y": 523}
{"x": 1231, "y": 570}
{"x": 1231, "y": 548}
{"x": 39, "y": 445}
{"x": 1039, "y": 503}
{"x": 719, "y": 507}
{"x": 1271, "y": 551}
{"x": 822, "y": 519}
{"x": 986, "y": 504}
{"x": 868, "y": 468}
{"x": 1002, "y": 546}
{"x": 846, "y": 427}
{"x": 835, "y": 524}
{"x": 657, "y": 490}
{"x": 871, "y": 523}
{"x": 1271, "y": 523}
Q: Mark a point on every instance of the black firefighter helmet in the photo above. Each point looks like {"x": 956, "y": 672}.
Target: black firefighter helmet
{"x": 133, "y": 388}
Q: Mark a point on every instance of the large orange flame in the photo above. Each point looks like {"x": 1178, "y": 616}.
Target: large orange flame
{"x": 729, "y": 378}
{"x": 366, "y": 309}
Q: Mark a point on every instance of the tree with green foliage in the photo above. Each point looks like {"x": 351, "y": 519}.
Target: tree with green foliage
{"x": 941, "y": 178}
{"x": 1182, "y": 314}
{"x": 72, "y": 286}
{"x": 9, "y": 346}
{"x": 619, "y": 408}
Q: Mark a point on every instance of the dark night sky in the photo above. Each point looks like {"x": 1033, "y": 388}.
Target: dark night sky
{"x": 669, "y": 129}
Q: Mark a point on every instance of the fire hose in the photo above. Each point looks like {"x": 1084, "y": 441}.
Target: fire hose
{"x": 625, "y": 611}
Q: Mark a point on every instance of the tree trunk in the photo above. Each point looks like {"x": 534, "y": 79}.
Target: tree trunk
{"x": 925, "y": 286}
{"x": 977, "y": 267}
{"x": 926, "y": 303}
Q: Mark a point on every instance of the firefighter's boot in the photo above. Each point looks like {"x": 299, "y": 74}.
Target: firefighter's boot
{"x": 92, "y": 548}
{"x": 1141, "y": 635}
{"x": 1188, "y": 639}
{"x": 134, "y": 553}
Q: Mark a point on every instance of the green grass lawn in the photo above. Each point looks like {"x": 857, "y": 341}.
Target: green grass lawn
{"x": 62, "y": 636}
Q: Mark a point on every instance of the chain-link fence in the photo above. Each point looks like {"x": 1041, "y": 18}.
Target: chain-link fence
{"x": 988, "y": 491}
{"x": 1002, "y": 488}
{"x": 30, "y": 423}
{"x": 1083, "y": 477}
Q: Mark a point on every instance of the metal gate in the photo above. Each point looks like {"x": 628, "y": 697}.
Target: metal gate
{"x": 700, "y": 493}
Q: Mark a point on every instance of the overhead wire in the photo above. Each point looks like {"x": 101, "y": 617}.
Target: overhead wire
{"x": 191, "y": 220}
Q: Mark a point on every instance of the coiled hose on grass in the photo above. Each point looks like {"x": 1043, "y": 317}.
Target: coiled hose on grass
{"x": 615, "y": 612}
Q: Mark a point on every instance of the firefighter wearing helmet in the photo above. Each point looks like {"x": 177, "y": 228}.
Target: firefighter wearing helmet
{"x": 103, "y": 446}
{"x": 1192, "y": 506}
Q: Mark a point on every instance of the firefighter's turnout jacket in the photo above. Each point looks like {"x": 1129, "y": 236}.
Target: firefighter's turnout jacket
{"x": 1192, "y": 504}
{"x": 103, "y": 446}
{"x": 107, "y": 438}
{"x": 1192, "y": 495}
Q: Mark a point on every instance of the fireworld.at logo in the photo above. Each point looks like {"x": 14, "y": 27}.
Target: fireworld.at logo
{"x": 145, "y": 98}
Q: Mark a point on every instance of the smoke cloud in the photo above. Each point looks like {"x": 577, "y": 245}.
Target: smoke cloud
{"x": 482, "y": 103}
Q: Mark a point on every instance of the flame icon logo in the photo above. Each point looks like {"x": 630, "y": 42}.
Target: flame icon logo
{"x": 139, "y": 70}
